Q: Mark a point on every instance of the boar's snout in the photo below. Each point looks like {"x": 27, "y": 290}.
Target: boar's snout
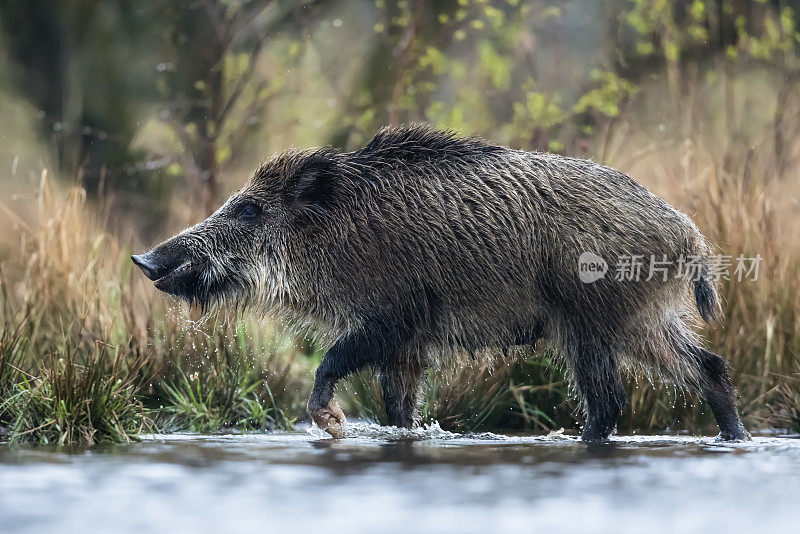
{"x": 174, "y": 268}
{"x": 148, "y": 266}
{"x": 154, "y": 265}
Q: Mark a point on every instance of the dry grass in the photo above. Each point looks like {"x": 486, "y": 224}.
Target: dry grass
{"x": 90, "y": 353}
{"x": 726, "y": 173}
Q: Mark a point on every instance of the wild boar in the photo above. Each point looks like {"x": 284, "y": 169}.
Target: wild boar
{"x": 423, "y": 246}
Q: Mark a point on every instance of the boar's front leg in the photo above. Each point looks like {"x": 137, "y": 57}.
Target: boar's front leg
{"x": 375, "y": 343}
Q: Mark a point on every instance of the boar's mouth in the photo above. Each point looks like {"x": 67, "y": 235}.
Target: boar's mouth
{"x": 184, "y": 279}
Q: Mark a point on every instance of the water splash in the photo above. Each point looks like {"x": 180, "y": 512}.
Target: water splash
{"x": 374, "y": 431}
{"x": 366, "y": 431}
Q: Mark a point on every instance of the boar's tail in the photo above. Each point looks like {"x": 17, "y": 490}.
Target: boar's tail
{"x": 705, "y": 299}
{"x": 705, "y": 293}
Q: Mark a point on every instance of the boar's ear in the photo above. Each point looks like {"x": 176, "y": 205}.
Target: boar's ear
{"x": 312, "y": 185}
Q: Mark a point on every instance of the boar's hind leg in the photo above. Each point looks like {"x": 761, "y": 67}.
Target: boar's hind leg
{"x": 374, "y": 343}
{"x": 400, "y": 383}
{"x": 595, "y": 373}
{"x": 716, "y": 388}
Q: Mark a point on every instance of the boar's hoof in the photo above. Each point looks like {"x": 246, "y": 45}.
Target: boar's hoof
{"x": 329, "y": 418}
{"x": 595, "y": 433}
{"x": 739, "y": 435}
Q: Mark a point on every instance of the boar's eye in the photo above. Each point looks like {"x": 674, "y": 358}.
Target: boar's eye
{"x": 247, "y": 211}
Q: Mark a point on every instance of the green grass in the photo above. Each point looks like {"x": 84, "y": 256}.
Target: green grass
{"x": 227, "y": 395}
{"x": 99, "y": 393}
{"x": 70, "y": 401}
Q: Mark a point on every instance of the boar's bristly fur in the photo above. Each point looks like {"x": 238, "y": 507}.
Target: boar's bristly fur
{"x": 423, "y": 246}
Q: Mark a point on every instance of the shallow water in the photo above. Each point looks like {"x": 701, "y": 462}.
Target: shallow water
{"x": 384, "y": 480}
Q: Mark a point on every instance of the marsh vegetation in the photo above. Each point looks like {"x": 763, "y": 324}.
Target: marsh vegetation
{"x": 697, "y": 101}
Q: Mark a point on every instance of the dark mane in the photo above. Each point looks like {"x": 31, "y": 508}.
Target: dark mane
{"x": 413, "y": 142}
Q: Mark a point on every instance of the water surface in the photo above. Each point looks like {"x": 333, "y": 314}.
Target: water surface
{"x": 386, "y": 480}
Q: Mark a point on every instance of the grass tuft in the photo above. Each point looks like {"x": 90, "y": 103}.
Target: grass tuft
{"x": 229, "y": 394}
{"x": 71, "y": 402}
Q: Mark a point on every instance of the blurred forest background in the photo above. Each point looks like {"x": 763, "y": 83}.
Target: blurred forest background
{"x": 122, "y": 122}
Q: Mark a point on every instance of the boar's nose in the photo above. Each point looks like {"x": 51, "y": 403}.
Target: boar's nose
{"x": 145, "y": 263}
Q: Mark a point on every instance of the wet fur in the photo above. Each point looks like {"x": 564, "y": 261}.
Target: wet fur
{"x": 423, "y": 246}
